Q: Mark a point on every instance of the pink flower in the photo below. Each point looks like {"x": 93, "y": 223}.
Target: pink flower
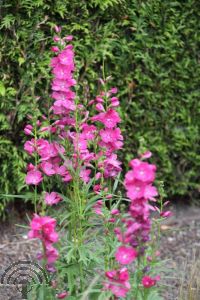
{"x": 28, "y": 129}
{"x": 85, "y": 175}
{"x": 109, "y": 118}
{"x": 29, "y": 146}
{"x": 62, "y": 295}
{"x": 43, "y": 228}
{"x": 61, "y": 72}
{"x": 52, "y": 198}
{"x": 143, "y": 171}
{"x": 51, "y": 254}
{"x": 115, "y": 212}
{"x": 33, "y": 177}
{"x": 47, "y": 168}
{"x": 148, "y": 281}
{"x": 66, "y": 58}
{"x": 125, "y": 255}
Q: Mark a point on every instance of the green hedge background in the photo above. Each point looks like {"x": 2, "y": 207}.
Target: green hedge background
{"x": 151, "y": 49}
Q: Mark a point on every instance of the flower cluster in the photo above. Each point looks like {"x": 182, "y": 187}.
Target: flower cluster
{"x": 118, "y": 282}
{"x": 83, "y": 149}
{"x": 43, "y": 228}
{"x": 139, "y": 185}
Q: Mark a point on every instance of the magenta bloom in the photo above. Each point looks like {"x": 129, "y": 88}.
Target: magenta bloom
{"x": 47, "y": 168}
{"x": 52, "y": 198}
{"x": 29, "y": 146}
{"x": 33, "y": 177}
{"x": 110, "y": 118}
{"x": 43, "y": 228}
{"x": 148, "y": 281}
{"x": 125, "y": 255}
{"x": 51, "y": 254}
{"x": 143, "y": 171}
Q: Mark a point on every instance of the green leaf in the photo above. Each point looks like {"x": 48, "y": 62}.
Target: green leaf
{"x": 2, "y": 89}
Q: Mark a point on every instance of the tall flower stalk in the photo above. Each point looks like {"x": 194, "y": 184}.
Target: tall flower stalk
{"x": 77, "y": 144}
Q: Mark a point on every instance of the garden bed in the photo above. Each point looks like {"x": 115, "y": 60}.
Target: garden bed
{"x": 180, "y": 247}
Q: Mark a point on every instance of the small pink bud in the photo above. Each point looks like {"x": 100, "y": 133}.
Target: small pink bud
{"x": 62, "y": 295}
{"x": 68, "y": 38}
{"x": 111, "y": 220}
{"x": 98, "y": 175}
{"x": 28, "y": 130}
{"x": 149, "y": 258}
{"x": 147, "y": 154}
{"x": 101, "y": 81}
{"x": 157, "y": 253}
{"x": 44, "y": 129}
{"x": 56, "y": 38}
{"x": 55, "y": 49}
{"x": 44, "y": 117}
{"x": 99, "y": 99}
{"x": 109, "y": 196}
{"x": 115, "y": 212}
{"x": 57, "y": 28}
{"x": 91, "y": 102}
{"x": 99, "y": 107}
{"x": 38, "y": 123}
{"x": 166, "y": 214}
{"x": 114, "y": 90}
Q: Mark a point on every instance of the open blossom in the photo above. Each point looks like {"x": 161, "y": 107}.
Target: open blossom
{"x": 110, "y": 118}
{"x": 43, "y": 228}
{"x": 29, "y": 146}
{"x": 125, "y": 255}
{"x": 142, "y": 170}
{"x": 33, "y": 177}
{"x": 148, "y": 281}
{"x": 52, "y": 198}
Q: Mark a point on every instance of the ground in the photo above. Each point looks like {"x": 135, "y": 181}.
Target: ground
{"x": 180, "y": 247}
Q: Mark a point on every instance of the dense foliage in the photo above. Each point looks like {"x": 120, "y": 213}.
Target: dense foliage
{"x": 151, "y": 49}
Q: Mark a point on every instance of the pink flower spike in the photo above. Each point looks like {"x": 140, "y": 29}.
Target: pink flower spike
{"x": 125, "y": 255}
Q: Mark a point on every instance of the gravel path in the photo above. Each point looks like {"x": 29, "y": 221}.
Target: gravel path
{"x": 180, "y": 246}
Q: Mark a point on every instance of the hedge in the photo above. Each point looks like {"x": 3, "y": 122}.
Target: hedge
{"x": 151, "y": 49}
